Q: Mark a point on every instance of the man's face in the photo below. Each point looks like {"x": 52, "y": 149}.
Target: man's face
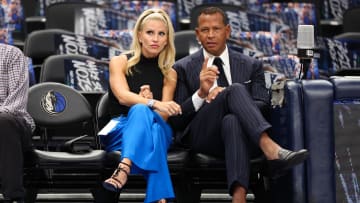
{"x": 212, "y": 33}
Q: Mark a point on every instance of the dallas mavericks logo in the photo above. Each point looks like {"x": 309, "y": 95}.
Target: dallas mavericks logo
{"x": 53, "y": 102}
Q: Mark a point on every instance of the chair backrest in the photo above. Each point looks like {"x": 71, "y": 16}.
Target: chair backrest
{"x": 102, "y": 116}
{"x": 83, "y": 73}
{"x": 60, "y": 114}
{"x": 350, "y": 43}
{"x": 44, "y": 43}
{"x": 185, "y": 43}
{"x": 350, "y": 36}
{"x": 56, "y": 105}
{"x": 31, "y": 7}
{"x": 62, "y": 14}
{"x": 53, "y": 68}
{"x": 41, "y": 44}
{"x": 351, "y": 20}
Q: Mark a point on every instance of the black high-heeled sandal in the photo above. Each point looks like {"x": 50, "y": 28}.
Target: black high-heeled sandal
{"x": 113, "y": 183}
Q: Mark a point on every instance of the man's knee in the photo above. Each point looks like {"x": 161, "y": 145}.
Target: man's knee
{"x": 7, "y": 122}
{"x": 238, "y": 87}
{"x": 229, "y": 119}
{"x": 12, "y": 128}
{"x": 237, "y": 92}
{"x": 6, "y": 118}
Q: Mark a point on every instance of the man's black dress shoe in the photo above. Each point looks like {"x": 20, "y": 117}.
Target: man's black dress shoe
{"x": 287, "y": 159}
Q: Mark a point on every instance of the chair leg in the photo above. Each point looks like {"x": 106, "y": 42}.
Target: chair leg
{"x": 101, "y": 195}
{"x": 31, "y": 195}
{"x": 260, "y": 190}
{"x": 182, "y": 187}
{"x": 195, "y": 193}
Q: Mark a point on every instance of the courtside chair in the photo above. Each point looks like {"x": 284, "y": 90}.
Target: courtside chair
{"x": 351, "y": 20}
{"x": 62, "y": 159}
{"x": 41, "y": 43}
{"x": 62, "y": 15}
{"x": 57, "y": 68}
{"x": 185, "y": 43}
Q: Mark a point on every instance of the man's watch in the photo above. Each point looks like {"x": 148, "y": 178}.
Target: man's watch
{"x": 151, "y": 103}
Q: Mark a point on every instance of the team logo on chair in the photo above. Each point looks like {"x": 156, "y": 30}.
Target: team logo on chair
{"x": 53, "y": 102}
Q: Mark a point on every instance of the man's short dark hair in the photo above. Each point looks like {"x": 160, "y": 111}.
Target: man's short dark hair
{"x": 213, "y": 10}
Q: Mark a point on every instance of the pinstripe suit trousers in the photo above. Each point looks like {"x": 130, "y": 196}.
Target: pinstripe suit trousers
{"x": 232, "y": 119}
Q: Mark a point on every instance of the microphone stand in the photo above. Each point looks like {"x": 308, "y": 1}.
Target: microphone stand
{"x": 305, "y": 65}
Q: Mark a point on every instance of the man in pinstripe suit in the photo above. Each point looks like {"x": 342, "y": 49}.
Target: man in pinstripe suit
{"x": 214, "y": 112}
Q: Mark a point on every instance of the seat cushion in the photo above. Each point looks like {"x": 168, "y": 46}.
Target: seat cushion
{"x": 93, "y": 158}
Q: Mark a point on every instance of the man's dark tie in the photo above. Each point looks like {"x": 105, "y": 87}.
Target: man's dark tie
{"x": 222, "y": 82}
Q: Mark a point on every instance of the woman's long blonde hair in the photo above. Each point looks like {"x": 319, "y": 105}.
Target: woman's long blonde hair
{"x": 167, "y": 55}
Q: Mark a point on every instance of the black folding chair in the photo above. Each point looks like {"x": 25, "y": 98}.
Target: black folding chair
{"x": 84, "y": 73}
{"x": 185, "y": 43}
{"x": 66, "y": 153}
{"x": 351, "y": 20}
{"x": 62, "y": 15}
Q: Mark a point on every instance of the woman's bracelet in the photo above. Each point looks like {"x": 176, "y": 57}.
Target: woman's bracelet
{"x": 151, "y": 103}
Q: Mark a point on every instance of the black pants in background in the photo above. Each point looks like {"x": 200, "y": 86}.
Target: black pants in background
{"x": 15, "y": 141}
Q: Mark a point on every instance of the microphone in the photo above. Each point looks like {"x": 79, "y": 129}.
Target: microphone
{"x": 305, "y": 47}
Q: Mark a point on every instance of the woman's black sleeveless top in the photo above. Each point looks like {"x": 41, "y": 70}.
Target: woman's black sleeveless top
{"x": 146, "y": 72}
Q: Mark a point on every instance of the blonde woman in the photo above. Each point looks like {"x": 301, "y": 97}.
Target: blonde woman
{"x": 142, "y": 85}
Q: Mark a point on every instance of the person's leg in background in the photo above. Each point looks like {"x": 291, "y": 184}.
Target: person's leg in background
{"x": 14, "y": 140}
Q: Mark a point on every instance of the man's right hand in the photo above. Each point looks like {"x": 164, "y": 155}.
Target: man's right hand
{"x": 208, "y": 75}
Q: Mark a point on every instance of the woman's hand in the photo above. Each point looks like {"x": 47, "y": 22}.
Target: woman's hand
{"x": 146, "y": 92}
{"x": 170, "y": 108}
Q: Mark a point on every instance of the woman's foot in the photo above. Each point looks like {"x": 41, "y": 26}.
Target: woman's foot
{"x": 116, "y": 182}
